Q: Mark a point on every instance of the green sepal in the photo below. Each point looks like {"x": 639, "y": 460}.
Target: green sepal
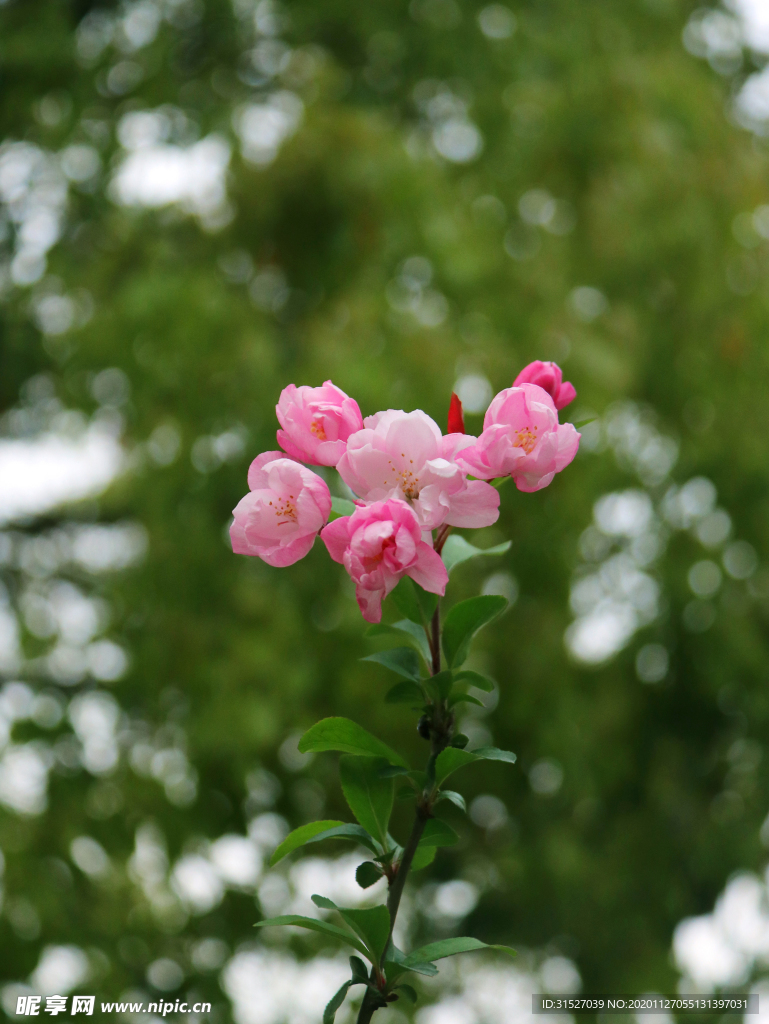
{"x": 368, "y": 874}
{"x": 348, "y": 737}
{"x": 300, "y": 836}
{"x": 480, "y": 682}
{"x": 341, "y": 507}
{"x": 463, "y": 622}
{"x": 372, "y": 925}
{"x": 369, "y": 796}
{"x": 405, "y": 692}
{"x": 453, "y": 797}
{"x": 457, "y": 550}
{"x": 408, "y": 991}
{"x": 329, "y": 1014}
{"x": 313, "y": 925}
{"x": 438, "y": 833}
{"x": 403, "y": 661}
{"x": 450, "y": 947}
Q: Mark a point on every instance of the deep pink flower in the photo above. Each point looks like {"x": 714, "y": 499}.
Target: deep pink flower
{"x": 378, "y": 545}
{"x": 549, "y": 377}
{"x": 283, "y": 512}
{"x": 403, "y": 455}
{"x": 316, "y": 423}
{"x": 522, "y": 438}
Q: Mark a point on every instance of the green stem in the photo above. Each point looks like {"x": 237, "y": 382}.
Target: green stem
{"x": 440, "y": 737}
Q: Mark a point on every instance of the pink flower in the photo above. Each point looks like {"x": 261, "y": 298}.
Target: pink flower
{"x": 403, "y": 455}
{"x": 282, "y": 514}
{"x": 549, "y": 377}
{"x": 316, "y": 423}
{"x": 522, "y": 438}
{"x": 378, "y": 545}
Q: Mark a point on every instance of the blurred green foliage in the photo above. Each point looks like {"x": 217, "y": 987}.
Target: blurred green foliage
{"x": 598, "y": 104}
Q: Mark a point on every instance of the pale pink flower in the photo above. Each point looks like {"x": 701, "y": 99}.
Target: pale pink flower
{"x": 378, "y": 545}
{"x": 549, "y": 377}
{"x": 403, "y": 455}
{"x": 280, "y": 517}
{"x": 522, "y": 438}
{"x": 316, "y": 423}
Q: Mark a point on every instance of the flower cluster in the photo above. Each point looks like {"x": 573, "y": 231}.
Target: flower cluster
{"x": 409, "y": 478}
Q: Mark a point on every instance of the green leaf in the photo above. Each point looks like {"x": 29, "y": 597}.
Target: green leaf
{"x": 315, "y": 926}
{"x": 450, "y": 947}
{"x": 341, "y": 507}
{"x": 457, "y": 550}
{"x": 348, "y": 737}
{"x": 449, "y": 760}
{"x": 405, "y": 599}
{"x": 405, "y": 693}
{"x": 423, "y": 856}
{"x": 390, "y": 771}
{"x": 368, "y": 874}
{"x": 300, "y": 836}
{"x": 453, "y": 797}
{"x": 465, "y": 698}
{"x": 369, "y": 795}
{"x": 405, "y": 629}
{"x": 452, "y": 758}
{"x": 401, "y": 660}
{"x": 355, "y": 832}
{"x": 495, "y": 754}
{"x": 460, "y": 740}
{"x": 334, "y": 1003}
{"x": 440, "y": 684}
{"x": 371, "y": 924}
{"x": 463, "y": 622}
{"x": 359, "y": 971}
{"x": 394, "y": 970}
{"x": 438, "y": 833}
{"x": 584, "y": 423}
{"x": 427, "y": 602}
{"x": 475, "y": 679}
{"x": 408, "y": 992}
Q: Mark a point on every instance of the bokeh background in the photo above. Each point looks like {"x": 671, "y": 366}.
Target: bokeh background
{"x": 202, "y": 201}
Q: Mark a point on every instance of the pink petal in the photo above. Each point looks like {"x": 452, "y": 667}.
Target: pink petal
{"x": 475, "y": 507}
{"x": 429, "y": 571}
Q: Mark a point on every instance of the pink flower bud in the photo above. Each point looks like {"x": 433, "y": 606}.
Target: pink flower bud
{"x": 403, "y": 455}
{"x": 378, "y": 545}
{"x": 549, "y": 377}
{"x": 316, "y": 423}
{"x": 279, "y": 519}
{"x": 522, "y": 438}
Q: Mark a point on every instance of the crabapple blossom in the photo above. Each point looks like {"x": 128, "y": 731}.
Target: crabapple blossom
{"x": 285, "y": 509}
{"x": 378, "y": 545}
{"x": 550, "y": 378}
{"x": 316, "y": 423}
{"x": 522, "y": 438}
{"x": 404, "y": 455}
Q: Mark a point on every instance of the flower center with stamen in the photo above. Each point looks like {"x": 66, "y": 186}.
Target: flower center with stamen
{"x": 526, "y": 439}
{"x": 406, "y": 479}
{"x": 317, "y": 430}
{"x": 285, "y": 510}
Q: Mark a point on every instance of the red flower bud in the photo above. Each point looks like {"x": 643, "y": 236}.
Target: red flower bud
{"x": 456, "y": 416}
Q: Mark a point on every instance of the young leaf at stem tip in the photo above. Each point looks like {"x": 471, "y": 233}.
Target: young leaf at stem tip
{"x": 475, "y": 679}
{"x": 372, "y": 925}
{"x": 463, "y": 622}
{"x": 354, "y": 832}
{"x": 407, "y": 630}
{"x": 367, "y": 874}
{"x": 348, "y": 737}
{"x": 452, "y": 758}
{"x": 405, "y": 693}
{"x": 438, "y": 833}
{"x": 329, "y": 1014}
